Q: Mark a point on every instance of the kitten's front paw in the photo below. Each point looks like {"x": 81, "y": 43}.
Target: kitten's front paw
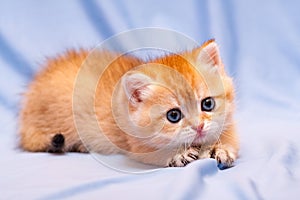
{"x": 184, "y": 158}
{"x": 224, "y": 157}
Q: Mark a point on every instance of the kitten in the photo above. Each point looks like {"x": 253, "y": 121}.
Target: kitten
{"x": 167, "y": 111}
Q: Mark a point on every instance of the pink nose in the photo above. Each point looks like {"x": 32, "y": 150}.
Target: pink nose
{"x": 198, "y": 128}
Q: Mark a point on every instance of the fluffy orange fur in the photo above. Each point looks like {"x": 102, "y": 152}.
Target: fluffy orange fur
{"x": 120, "y": 106}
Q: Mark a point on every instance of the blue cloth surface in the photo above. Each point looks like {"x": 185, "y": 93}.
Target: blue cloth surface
{"x": 260, "y": 45}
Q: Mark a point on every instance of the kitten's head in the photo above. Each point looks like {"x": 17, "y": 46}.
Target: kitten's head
{"x": 185, "y": 98}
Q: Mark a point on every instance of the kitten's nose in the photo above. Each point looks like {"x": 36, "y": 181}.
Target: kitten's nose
{"x": 198, "y": 128}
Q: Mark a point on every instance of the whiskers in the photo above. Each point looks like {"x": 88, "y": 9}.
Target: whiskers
{"x": 212, "y": 131}
{"x": 224, "y": 132}
{"x": 183, "y": 139}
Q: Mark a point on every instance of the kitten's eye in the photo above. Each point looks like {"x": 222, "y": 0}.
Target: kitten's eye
{"x": 208, "y": 104}
{"x": 174, "y": 115}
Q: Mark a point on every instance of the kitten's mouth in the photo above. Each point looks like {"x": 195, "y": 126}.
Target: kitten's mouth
{"x": 200, "y": 134}
{"x": 198, "y": 137}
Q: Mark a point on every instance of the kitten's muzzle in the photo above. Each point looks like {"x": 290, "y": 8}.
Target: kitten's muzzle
{"x": 199, "y": 129}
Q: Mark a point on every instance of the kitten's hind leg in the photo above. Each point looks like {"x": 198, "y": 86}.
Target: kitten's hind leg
{"x": 78, "y": 147}
{"x": 61, "y": 144}
{"x": 53, "y": 143}
{"x": 36, "y": 141}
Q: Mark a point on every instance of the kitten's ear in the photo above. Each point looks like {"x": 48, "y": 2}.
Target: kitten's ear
{"x": 209, "y": 54}
{"x": 136, "y": 86}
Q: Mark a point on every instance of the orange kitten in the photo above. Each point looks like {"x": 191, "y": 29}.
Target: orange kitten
{"x": 167, "y": 112}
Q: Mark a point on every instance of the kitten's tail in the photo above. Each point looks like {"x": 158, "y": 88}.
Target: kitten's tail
{"x": 57, "y": 143}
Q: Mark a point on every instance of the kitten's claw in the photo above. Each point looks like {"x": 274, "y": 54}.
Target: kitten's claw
{"x": 184, "y": 158}
{"x": 224, "y": 157}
